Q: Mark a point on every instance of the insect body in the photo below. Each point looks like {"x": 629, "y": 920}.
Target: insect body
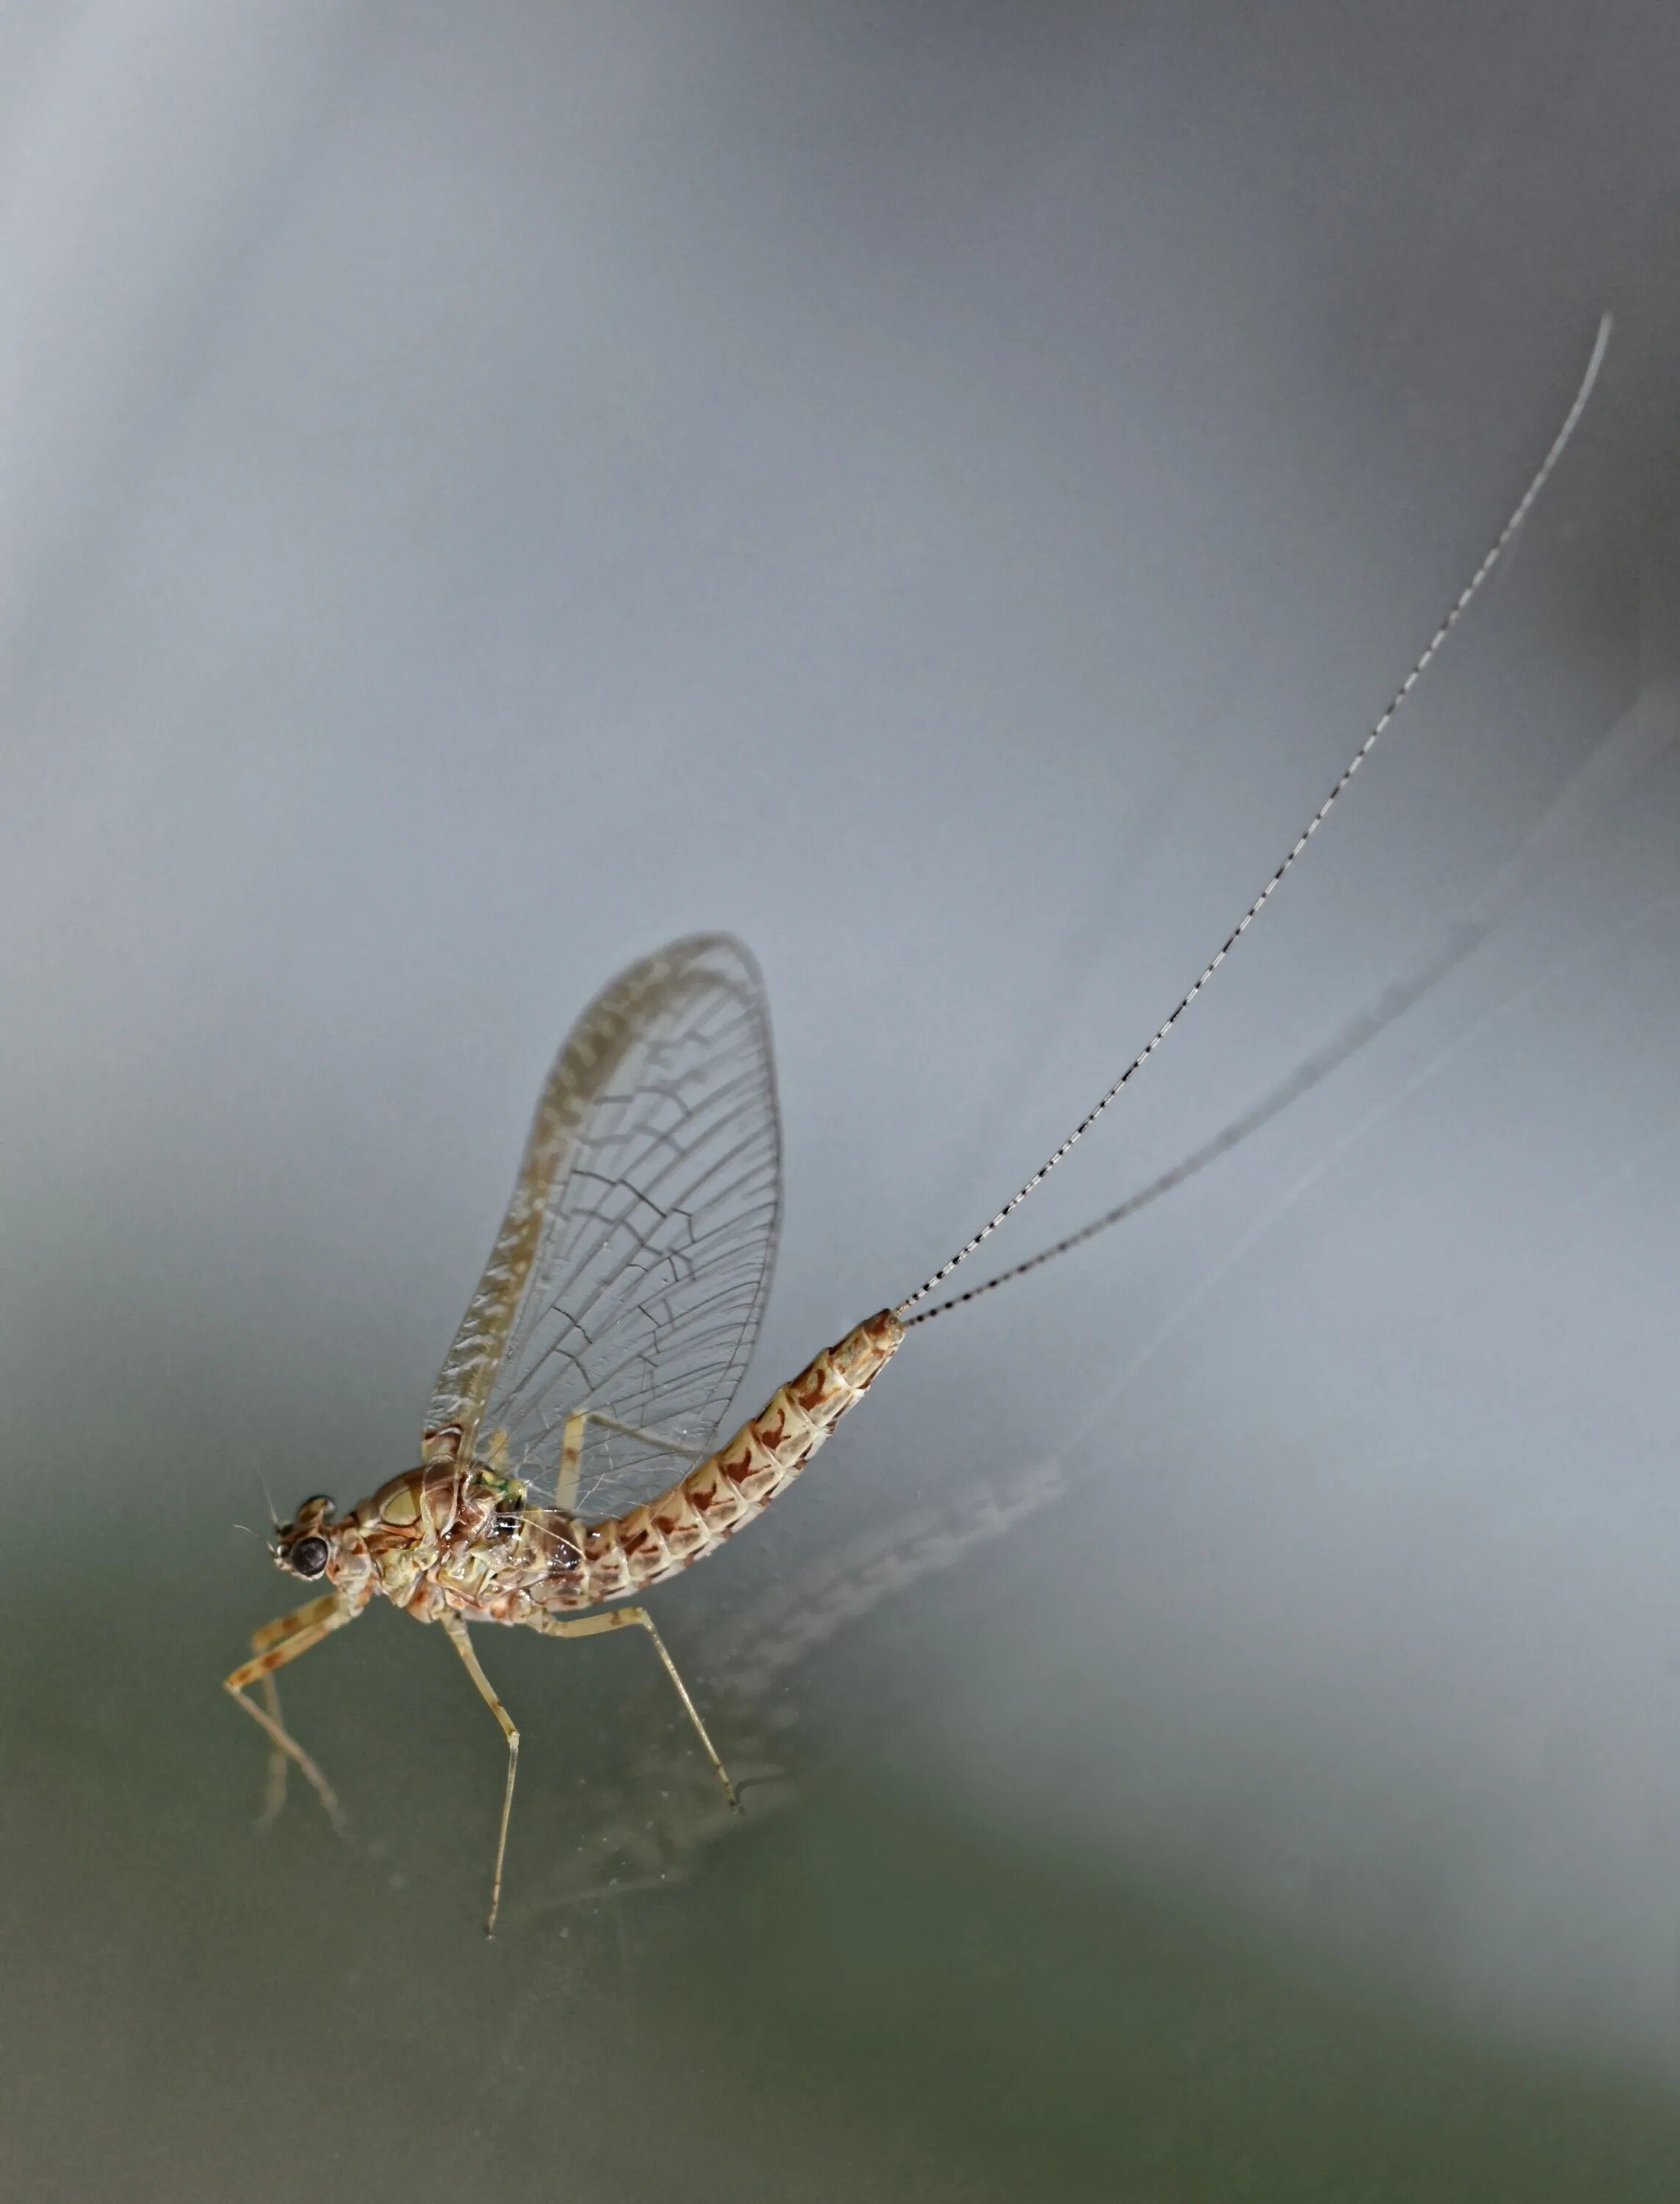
{"x": 631, "y": 1270}
{"x": 612, "y": 1324}
{"x": 444, "y": 1540}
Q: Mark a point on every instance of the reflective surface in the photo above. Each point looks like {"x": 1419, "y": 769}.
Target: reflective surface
{"x": 938, "y": 496}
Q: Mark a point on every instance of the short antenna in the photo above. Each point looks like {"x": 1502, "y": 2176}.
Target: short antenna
{"x": 1460, "y": 605}
{"x": 268, "y": 1498}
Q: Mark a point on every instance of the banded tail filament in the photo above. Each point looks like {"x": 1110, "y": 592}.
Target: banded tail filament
{"x": 616, "y": 1316}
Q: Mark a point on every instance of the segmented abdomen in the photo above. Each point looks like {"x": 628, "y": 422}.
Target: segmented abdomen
{"x": 730, "y": 1487}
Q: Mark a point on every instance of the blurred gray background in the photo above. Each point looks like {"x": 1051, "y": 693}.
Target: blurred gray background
{"x": 940, "y": 491}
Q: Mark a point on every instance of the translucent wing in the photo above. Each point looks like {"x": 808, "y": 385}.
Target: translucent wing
{"x": 632, "y": 1267}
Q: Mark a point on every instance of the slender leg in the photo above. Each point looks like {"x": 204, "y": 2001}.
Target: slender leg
{"x": 571, "y": 1451}
{"x": 288, "y": 1626}
{"x": 272, "y": 1633}
{"x": 462, "y": 1642}
{"x": 302, "y": 1630}
{"x": 274, "y": 1783}
{"x": 571, "y": 1462}
{"x": 621, "y": 1618}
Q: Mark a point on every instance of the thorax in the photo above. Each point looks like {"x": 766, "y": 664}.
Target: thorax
{"x": 443, "y": 1538}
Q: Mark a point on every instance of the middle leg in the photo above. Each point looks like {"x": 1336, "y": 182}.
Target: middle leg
{"x": 462, "y": 1642}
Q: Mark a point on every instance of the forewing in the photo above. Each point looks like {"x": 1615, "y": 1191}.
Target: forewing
{"x": 631, "y": 1270}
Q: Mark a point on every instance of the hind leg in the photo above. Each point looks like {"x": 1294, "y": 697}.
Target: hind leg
{"x": 637, "y": 1618}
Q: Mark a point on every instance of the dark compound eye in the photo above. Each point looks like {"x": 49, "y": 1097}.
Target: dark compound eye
{"x": 308, "y": 1557}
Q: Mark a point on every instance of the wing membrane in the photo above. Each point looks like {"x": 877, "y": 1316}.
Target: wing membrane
{"x": 631, "y": 1270}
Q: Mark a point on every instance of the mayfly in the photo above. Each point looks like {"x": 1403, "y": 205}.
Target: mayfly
{"x": 616, "y": 1316}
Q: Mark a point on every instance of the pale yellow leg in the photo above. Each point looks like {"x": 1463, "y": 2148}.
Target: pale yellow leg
{"x": 571, "y": 1460}
{"x": 274, "y": 1783}
{"x": 274, "y": 1634}
{"x": 286, "y": 1640}
{"x": 637, "y": 1618}
{"x": 463, "y": 1644}
{"x": 571, "y": 1451}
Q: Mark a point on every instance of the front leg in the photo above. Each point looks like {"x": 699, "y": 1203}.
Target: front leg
{"x": 278, "y": 1643}
{"x": 275, "y": 1633}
